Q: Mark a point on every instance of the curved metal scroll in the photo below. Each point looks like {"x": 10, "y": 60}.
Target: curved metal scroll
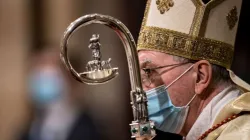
{"x": 98, "y": 74}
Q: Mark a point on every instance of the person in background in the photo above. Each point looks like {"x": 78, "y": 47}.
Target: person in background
{"x": 186, "y": 50}
{"x": 57, "y": 115}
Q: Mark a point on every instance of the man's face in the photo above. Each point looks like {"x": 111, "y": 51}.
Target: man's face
{"x": 182, "y": 90}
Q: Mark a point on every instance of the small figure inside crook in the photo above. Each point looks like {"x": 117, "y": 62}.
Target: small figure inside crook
{"x": 95, "y": 46}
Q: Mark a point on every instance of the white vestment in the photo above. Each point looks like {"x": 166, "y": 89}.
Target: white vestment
{"x": 209, "y": 113}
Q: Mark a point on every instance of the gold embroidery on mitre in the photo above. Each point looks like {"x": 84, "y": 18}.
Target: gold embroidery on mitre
{"x": 180, "y": 44}
{"x": 232, "y": 18}
{"x": 164, "y": 5}
{"x": 192, "y": 45}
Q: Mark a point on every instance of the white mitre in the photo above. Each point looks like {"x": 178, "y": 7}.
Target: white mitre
{"x": 193, "y": 29}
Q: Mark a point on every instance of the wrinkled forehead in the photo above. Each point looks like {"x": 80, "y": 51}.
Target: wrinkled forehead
{"x": 147, "y": 57}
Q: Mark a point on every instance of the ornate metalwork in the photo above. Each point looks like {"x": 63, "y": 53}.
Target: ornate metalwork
{"x": 97, "y": 64}
{"x": 164, "y": 5}
{"x": 96, "y": 47}
{"x": 232, "y": 18}
{"x": 99, "y": 71}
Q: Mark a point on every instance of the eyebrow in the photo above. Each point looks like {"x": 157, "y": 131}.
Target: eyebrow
{"x": 147, "y": 64}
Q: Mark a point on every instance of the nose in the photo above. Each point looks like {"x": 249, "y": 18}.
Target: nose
{"x": 151, "y": 86}
{"x": 145, "y": 88}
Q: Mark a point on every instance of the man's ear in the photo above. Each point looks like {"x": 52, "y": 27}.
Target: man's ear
{"x": 203, "y": 75}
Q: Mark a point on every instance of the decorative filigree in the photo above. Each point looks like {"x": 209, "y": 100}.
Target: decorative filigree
{"x": 232, "y": 18}
{"x": 180, "y": 44}
{"x": 164, "y": 5}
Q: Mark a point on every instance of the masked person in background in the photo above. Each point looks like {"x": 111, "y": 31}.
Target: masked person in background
{"x": 185, "y": 50}
{"x": 57, "y": 116}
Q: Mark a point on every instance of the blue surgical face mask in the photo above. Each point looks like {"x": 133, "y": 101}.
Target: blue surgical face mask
{"x": 46, "y": 87}
{"x": 167, "y": 117}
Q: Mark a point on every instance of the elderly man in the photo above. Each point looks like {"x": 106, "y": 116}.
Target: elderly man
{"x": 185, "y": 50}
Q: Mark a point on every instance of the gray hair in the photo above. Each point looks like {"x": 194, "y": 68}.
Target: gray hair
{"x": 219, "y": 74}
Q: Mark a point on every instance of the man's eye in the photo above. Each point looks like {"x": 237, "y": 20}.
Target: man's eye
{"x": 147, "y": 71}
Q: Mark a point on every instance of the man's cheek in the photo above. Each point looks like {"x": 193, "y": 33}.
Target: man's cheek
{"x": 176, "y": 97}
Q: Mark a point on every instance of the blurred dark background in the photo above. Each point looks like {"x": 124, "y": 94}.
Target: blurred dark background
{"x": 29, "y": 27}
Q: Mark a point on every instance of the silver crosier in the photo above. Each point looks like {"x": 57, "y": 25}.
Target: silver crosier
{"x": 99, "y": 71}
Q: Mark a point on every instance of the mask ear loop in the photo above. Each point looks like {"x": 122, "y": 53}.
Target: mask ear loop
{"x": 179, "y": 76}
{"x": 178, "y": 79}
{"x": 191, "y": 100}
